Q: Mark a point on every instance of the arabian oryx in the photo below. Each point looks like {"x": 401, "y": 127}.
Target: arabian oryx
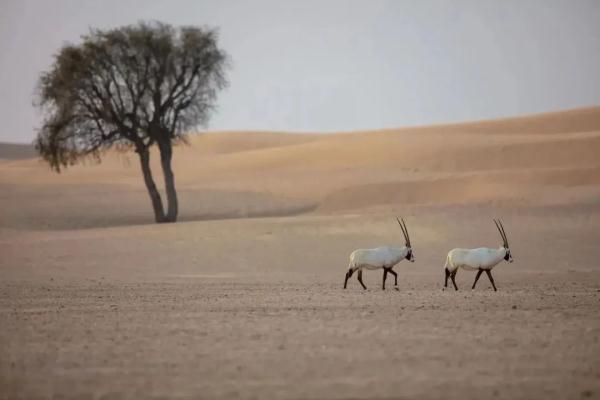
{"x": 482, "y": 259}
{"x": 381, "y": 257}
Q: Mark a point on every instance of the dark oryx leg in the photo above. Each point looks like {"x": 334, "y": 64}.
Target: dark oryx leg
{"x": 452, "y": 275}
{"x": 489, "y": 274}
{"x": 348, "y": 275}
{"x": 477, "y": 277}
{"x": 385, "y": 272}
{"x": 360, "y": 279}
{"x": 447, "y": 276}
{"x": 391, "y": 271}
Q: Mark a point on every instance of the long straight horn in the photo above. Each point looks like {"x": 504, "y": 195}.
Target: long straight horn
{"x": 501, "y": 233}
{"x": 403, "y": 231}
{"x": 407, "y": 235}
{"x": 504, "y": 232}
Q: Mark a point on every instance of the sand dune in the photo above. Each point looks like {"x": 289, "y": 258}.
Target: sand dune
{"x": 522, "y": 161}
{"x": 214, "y": 143}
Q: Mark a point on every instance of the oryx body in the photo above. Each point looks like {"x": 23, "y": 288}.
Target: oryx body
{"x": 474, "y": 259}
{"x": 480, "y": 259}
{"x": 379, "y": 257}
{"x": 384, "y": 257}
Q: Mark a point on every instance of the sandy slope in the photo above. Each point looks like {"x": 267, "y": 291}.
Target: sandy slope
{"x": 96, "y": 301}
{"x": 521, "y": 161}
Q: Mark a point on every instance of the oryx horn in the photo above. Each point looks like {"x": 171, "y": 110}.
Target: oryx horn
{"x": 501, "y": 233}
{"x": 403, "y": 230}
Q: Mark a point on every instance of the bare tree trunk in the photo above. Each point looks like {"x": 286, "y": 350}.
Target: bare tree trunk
{"x": 159, "y": 212}
{"x": 166, "y": 154}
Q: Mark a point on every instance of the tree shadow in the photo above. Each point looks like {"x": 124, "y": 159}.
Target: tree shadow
{"x": 64, "y": 223}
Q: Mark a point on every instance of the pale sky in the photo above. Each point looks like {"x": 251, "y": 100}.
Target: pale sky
{"x": 329, "y": 65}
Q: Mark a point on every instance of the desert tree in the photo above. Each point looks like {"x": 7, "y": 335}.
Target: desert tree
{"x": 130, "y": 88}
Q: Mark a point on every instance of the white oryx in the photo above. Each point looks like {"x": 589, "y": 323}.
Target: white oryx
{"x": 482, "y": 259}
{"x": 381, "y": 257}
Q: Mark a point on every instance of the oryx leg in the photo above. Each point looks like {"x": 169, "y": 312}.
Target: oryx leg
{"x": 447, "y": 276}
{"x": 477, "y": 277}
{"x": 489, "y": 274}
{"x": 391, "y": 271}
{"x": 360, "y": 279}
{"x": 385, "y": 272}
{"x": 348, "y": 275}
{"x": 452, "y": 276}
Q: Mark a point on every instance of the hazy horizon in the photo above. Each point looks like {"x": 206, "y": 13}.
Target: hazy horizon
{"x": 342, "y": 65}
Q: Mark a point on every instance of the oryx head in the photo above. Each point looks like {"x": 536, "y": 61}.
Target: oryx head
{"x": 508, "y": 256}
{"x": 409, "y": 255}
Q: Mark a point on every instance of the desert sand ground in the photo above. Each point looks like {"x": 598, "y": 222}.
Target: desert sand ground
{"x": 243, "y": 298}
